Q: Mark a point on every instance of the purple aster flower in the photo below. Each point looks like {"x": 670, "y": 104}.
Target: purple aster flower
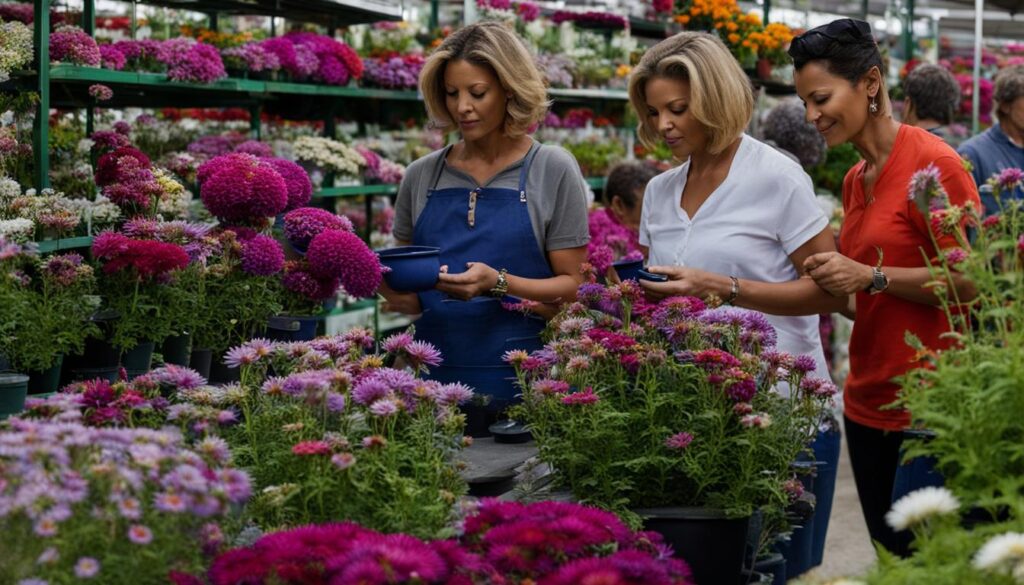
{"x": 335, "y": 402}
{"x": 262, "y": 256}
{"x": 583, "y": 397}
{"x": 299, "y": 280}
{"x": 48, "y": 556}
{"x": 87, "y": 568}
{"x": 385, "y": 407}
{"x": 194, "y": 62}
{"x": 422, "y": 354}
{"x": 314, "y": 384}
{"x": 341, "y": 254}
{"x": 343, "y": 460}
{"x": 240, "y": 356}
{"x": 804, "y": 364}
{"x": 370, "y": 390}
{"x": 178, "y": 377}
{"x": 454, "y": 394}
{"x": 111, "y": 57}
{"x": 72, "y": 45}
{"x": 1010, "y": 178}
{"x": 129, "y": 508}
{"x": 397, "y": 342}
{"x": 255, "y": 148}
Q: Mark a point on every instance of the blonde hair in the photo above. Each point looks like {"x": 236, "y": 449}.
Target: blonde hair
{"x": 493, "y": 45}
{"x": 720, "y": 95}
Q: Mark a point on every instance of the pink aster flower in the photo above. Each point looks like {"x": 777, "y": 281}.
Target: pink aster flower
{"x": 397, "y": 342}
{"x": 384, "y": 408}
{"x": 1020, "y": 243}
{"x": 584, "y": 397}
{"x": 341, "y": 254}
{"x": 1010, "y": 179}
{"x": 311, "y": 448}
{"x": 679, "y": 441}
{"x": 139, "y": 534}
{"x": 238, "y": 188}
{"x": 374, "y": 442}
{"x": 101, "y": 92}
{"x": 955, "y": 255}
{"x": 240, "y": 356}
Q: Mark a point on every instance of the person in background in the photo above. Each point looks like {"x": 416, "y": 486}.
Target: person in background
{"x": 509, "y": 214}
{"x": 838, "y": 76}
{"x": 1001, "y": 146}
{"x": 614, "y": 226}
{"x": 932, "y": 99}
{"x": 786, "y": 128}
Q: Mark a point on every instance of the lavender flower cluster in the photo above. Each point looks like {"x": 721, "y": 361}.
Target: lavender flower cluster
{"x": 183, "y": 59}
{"x": 396, "y": 72}
{"x": 305, "y": 55}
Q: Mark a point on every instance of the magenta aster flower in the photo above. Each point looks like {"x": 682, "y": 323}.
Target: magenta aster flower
{"x": 343, "y": 460}
{"x": 340, "y": 254}
{"x": 195, "y": 62}
{"x": 1010, "y": 178}
{"x": 111, "y": 57}
{"x": 303, "y": 224}
{"x": 453, "y": 394}
{"x": 679, "y": 441}
{"x": 1020, "y": 243}
{"x": 111, "y": 167}
{"x": 804, "y": 364}
{"x": 584, "y": 397}
{"x": 311, "y": 448}
{"x": 262, "y": 256}
{"x": 955, "y": 255}
{"x": 296, "y": 179}
{"x": 397, "y": 342}
{"x": 255, "y": 148}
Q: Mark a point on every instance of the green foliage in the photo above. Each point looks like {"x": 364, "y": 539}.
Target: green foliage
{"x": 45, "y": 316}
{"x": 829, "y": 174}
{"x": 596, "y": 155}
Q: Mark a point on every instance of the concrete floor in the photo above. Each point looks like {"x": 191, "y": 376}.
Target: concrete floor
{"x": 848, "y": 550}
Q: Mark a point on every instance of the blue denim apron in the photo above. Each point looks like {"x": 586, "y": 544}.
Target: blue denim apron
{"x": 492, "y": 226}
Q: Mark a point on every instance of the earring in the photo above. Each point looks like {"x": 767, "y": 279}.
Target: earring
{"x": 874, "y": 106}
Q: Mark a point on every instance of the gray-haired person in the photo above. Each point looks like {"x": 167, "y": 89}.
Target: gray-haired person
{"x": 932, "y": 99}
{"x": 786, "y": 128}
{"x": 1001, "y": 146}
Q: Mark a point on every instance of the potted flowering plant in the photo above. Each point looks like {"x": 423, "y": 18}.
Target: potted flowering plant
{"x": 138, "y": 279}
{"x": 640, "y": 407}
{"x": 968, "y": 395}
{"x": 548, "y": 542}
{"x": 46, "y": 309}
{"x": 117, "y": 505}
{"x": 334, "y": 435}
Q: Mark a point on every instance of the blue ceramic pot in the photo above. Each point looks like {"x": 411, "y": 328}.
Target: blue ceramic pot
{"x": 413, "y": 268}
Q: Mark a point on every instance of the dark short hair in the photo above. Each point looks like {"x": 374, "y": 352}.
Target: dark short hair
{"x": 625, "y": 179}
{"x": 934, "y": 91}
{"x": 1009, "y": 85}
{"x": 846, "y": 46}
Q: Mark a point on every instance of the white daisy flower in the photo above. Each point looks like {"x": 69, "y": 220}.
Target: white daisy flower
{"x": 1004, "y": 553}
{"x": 918, "y": 506}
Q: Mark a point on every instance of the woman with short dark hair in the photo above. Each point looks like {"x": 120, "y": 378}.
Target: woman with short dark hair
{"x": 839, "y": 78}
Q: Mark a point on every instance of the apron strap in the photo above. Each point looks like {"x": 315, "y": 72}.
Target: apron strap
{"x": 525, "y": 170}
{"x": 440, "y": 168}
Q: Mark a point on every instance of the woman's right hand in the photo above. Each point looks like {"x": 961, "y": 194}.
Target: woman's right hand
{"x": 399, "y": 302}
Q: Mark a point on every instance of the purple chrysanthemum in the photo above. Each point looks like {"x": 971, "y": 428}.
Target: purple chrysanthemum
{"x": 804, "y": 364}
{"x": 421, "y": 354}
{"x": 238, "y": 188}
{"x": 679, "y": 441}
{"x": 72, "y": 45}
{"x": 262, "y": 256}
{"x": 299, "y": 280}
{"x": 87, "y": 568}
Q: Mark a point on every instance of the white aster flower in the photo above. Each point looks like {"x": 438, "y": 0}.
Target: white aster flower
{"x": 920, "y": 505}
{"x": 1003, "y": 553}
{"x": 17, "y": 230}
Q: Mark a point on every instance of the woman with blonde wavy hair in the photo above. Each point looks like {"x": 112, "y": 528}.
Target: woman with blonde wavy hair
{"x": 509, "y": 215}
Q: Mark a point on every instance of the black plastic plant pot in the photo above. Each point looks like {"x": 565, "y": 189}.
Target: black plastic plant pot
{"x": 290, "y": 328}
{"x": 712, "y": 543}
{"x": 138, "y": 360}
{"x": 200, "y": 360}
{"x": 13, "y": 389}
{"x": 46, "y": 381}
{"x": 176, "y": 349}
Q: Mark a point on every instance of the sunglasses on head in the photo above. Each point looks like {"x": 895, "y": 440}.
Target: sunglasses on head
{"x": 844, "y": 30}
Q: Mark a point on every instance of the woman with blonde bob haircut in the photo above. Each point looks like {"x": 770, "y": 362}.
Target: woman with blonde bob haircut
{"x": 508, "y": 214}
{"x": 736, "y": 219}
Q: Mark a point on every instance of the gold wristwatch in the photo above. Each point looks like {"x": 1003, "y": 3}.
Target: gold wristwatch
{"x": 501, "y": 287}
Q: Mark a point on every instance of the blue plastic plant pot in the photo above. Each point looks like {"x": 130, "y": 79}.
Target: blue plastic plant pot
{"x": 413, "y": 268}
{"x": 628, "y": 269}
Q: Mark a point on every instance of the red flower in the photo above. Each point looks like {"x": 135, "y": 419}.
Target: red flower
{"x": 311, "y": 448}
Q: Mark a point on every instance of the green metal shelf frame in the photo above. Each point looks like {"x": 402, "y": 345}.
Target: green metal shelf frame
{"x": 596, "y": 183}
{"x": 355, "y": 191}
{"x": 47, "y": 246}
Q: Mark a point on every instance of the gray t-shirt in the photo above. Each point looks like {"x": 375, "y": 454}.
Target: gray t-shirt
{"x": 556, "y": 194}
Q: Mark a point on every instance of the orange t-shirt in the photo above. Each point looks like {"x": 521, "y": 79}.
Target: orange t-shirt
{"x": 891, "y": 221}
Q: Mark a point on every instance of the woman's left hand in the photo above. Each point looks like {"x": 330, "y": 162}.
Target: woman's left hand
{"x": 476, "y": 281}
{"x": 837, "y": 274}
{"x": 682, "y": 281}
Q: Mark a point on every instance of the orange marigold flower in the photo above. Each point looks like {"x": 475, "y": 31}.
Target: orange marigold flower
{"x": 734, "y": 38}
